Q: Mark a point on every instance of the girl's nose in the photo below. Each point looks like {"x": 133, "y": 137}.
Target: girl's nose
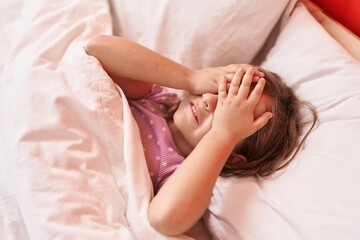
{"x": 209, "y": 101}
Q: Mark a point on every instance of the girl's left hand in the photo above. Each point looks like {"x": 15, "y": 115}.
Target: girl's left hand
{"x": 207, "y": 80}
{"x": 234, "y": 113}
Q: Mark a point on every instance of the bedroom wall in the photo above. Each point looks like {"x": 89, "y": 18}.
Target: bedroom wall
{"x": 347, "y": 12}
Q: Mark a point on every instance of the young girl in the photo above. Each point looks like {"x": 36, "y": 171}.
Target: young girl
{"x": 218, "y": 127}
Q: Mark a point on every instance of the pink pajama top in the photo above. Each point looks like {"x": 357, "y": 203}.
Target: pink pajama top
{"x": 162, "y": 156}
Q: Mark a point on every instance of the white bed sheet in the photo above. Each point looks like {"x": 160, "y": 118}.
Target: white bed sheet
{"x": 72, "y": 164}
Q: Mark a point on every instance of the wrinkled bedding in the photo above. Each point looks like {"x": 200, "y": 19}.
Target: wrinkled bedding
{"x": 71, "y": 161}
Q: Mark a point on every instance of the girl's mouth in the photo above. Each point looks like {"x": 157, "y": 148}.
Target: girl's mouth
{"x": 194, "y": 112}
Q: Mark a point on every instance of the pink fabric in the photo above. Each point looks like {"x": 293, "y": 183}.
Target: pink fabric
{"x": 162, "y": 156}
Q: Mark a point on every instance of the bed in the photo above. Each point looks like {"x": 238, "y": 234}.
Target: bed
{"x": 72, "y": 165}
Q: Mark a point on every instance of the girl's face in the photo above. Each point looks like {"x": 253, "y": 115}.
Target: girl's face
{"x": 193, "y": 118}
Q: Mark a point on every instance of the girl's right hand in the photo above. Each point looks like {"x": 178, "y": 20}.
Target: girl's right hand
{"x": 234, "y": 113}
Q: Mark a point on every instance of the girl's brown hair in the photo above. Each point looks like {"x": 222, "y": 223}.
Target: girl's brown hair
{"x": 275, "y": 145}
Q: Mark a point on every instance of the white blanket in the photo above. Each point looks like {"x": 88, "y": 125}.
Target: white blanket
{"x": 72, "y": 165}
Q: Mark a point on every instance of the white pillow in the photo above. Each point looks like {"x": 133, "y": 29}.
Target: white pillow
{"x": 318, "y": 195}
{"x": 198, "y": 33}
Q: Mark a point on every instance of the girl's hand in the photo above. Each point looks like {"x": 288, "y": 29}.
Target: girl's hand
{"x": 207, "y": 80}
{"x": 234, "y": 113}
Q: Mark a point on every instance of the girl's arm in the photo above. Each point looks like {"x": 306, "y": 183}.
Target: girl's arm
{"x": 135, "y": 68}
{"x": 183, "y": 199}
{"x": 185, "y": 196}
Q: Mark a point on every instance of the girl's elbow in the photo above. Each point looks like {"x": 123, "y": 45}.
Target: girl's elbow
{"x": 93, "y": 44}
{"x": 166, "y": 224}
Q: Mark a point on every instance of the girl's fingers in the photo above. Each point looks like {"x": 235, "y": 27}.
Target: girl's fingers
{"x": 222, "y": 88}
{"x": 262, "y": 120}
{"x": 256, "y": 78}
{"x": 259, "y": 74}
{"x": 230, "y": 76}
{"x": 233, "y": 67}
{"x": 246, "y": 82}
{"x": 256, "y": 93}
{"x": 235, "y": 82}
